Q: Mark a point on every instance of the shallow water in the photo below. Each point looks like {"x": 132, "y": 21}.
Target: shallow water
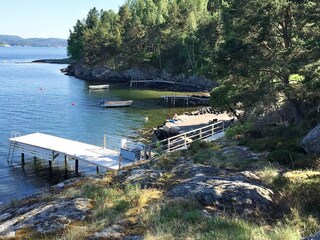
{"x": 39, "y": 98}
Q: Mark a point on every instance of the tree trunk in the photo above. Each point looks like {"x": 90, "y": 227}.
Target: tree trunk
{"x": 296, "y": 110}
{"x": 240, "y": 119}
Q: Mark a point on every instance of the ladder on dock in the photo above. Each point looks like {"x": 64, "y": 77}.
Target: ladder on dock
{"x": 12, "y": 146}
{"x": 48, "y": 147}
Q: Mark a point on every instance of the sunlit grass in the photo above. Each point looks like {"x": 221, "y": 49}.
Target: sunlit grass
{"x": 184, "y": 219}
{"x": 268, "y": 174}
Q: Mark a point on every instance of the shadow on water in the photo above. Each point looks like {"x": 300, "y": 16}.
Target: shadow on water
{"x": 39, "y": 172}
{"x": 36, "y": 175}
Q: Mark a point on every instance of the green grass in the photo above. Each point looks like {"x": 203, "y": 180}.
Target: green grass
{"x": 212, "y": 154}
{"x": 184, "y": 219}
{"x": 268, "y": 174}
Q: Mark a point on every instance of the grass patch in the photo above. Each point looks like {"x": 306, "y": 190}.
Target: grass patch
{"x": 303, "y": 191}
{"x": 213, "y": 154}
{"x": 268, "y": 174}
{"x": 184, "y": 219}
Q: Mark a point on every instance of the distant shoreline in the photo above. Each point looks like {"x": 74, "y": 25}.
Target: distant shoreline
{"x": 54, "y": 61}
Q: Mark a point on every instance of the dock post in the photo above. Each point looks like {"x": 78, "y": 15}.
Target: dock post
{"x": 145, "y": 152}
{"x": 120, "y": 160}
{"x": 50, "y": 171}
{"x": 97, "y": 170}
{"x": 77, "y": 167}
{"x": 66, "y": 166}
{"x": 212, "y": 130}
{"x": 104, "y": 140}
{"x": 150, "y": 158}
{"x": 22, "y": 158}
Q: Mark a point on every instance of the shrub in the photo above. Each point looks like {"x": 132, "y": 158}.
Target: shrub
{"x": 239, "y": 130}
{"x": 95, "y": 192}
{"x": 283, "y": 157}
{"x": 202, "y": 156}
{"x": 196, "y": 146}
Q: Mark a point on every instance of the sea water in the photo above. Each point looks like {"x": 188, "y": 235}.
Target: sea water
{"x": 37, "y": 97}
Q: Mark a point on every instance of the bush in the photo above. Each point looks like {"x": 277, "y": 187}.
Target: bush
{"x": 202, "y": 156}
{"x": 283, "y": 157}
{"x": 239, "y": 130}
{"x": 196, "y": 146}
{"x": 95, "y": 192}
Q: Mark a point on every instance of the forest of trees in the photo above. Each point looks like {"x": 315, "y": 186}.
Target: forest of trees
{"x": 262, "y": 53}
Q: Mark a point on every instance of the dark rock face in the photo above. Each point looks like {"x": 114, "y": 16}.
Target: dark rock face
{"x": 165, "y": 132}
{"x": 101, "y": 73}
{"x": 188, "y": 83}
{"x": 311, "y": 142}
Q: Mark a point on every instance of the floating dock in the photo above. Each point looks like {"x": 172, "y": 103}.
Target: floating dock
{"x": 48, "y": 147}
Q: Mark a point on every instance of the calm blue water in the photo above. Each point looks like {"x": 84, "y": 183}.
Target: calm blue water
{"x": 39, "y": 98}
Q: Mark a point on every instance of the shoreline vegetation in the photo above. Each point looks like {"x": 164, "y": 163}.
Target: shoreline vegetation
{"x": 259, "y": 182}
{"x": 54, "y": 61}
{"x": 175, "y": 196}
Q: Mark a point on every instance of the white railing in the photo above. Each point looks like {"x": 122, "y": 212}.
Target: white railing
{"x": 182, "y": 140}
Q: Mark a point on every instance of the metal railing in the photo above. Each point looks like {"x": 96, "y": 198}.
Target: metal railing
{"x": 183, "y": 140}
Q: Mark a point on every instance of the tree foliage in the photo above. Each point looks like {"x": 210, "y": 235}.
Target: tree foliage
{"x": 262, "y": 53}
{"x": 270, "y": 49}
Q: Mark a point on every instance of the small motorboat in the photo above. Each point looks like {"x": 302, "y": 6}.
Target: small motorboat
{"x": 109, "y": 104}
{"x": 98, "y": 87}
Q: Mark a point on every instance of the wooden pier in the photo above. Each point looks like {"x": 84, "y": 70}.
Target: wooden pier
{"x": 147, "y": 82}
{"x": 185, "y": 100}
{"x": 48, "y": 147}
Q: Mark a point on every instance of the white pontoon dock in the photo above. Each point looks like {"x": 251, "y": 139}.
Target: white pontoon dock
{"x": 48, "y": 147}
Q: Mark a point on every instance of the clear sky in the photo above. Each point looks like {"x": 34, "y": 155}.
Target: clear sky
{"x": 47, "y": 18}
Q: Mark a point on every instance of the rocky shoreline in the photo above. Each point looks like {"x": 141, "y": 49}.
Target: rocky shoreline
{"x": 55, "y": 210}
{"x": 180, "y": 82}
{"x": 225, "y": 190}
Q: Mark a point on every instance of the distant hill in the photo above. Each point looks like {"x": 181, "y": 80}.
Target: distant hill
{"x": 32, "y": 42}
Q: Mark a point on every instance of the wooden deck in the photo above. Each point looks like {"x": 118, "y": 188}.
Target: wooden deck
{"x": 49, "y": 147}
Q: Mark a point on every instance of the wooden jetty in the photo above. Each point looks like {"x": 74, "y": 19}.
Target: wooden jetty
{"x": 147, "y": 82}
{"x": 48, "y": 147}
{"x": 185, "y": 100}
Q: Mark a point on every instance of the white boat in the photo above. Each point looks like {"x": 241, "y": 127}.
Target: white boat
{"x": 117, "y": 103}
{"x": 97, "y": 87}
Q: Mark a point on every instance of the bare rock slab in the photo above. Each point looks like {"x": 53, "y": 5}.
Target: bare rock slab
{"x": 44, "y": 217}
{"x": 311, "y": 142}
{"x": 241, "y": 192}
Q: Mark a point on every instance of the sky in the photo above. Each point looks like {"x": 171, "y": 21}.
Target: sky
{"x": 47, "y": 18}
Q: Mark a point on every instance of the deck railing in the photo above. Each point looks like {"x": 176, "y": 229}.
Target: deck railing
{"x": 183, "y": 140}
